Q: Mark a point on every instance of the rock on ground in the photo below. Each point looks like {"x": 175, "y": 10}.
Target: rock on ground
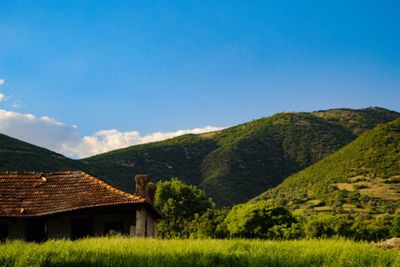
{"x": 390, "y": 243}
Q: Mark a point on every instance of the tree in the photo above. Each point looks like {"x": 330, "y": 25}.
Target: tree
{"x": 179, "y": 203}
{"x": 327, "y": 225}
{"x": 395, "y": 231}
{"x": 210, "y": 224}
{"x": 375, "y": 229}
{"x": 256, "y": 220}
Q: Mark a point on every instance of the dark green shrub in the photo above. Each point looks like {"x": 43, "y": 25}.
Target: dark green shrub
{"x": 256, "y": 220}
{"x": 326, "y": 226}
{"x": 395, "y": 231}
{"x": 210, "y": 224}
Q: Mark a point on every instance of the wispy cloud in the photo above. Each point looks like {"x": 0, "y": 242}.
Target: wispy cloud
{"x": 65, "y": 139}
{"x": 16, "y": 104}
{"x": 3, "y": 97}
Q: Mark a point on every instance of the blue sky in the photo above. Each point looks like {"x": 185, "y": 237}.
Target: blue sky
{"x": 152, "y": 66}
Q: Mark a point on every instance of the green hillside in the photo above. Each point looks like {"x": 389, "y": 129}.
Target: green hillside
{"x": 178, "y": 157}
{"x": 232, "y": 165}
{"x": 358, "y": 121}
{"x": 238, "y": 163}
{"x": 364, "y": 176}
{"x": 18, "y": 155}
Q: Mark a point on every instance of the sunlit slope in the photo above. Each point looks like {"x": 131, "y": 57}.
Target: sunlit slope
{"x": 364, "y": 176}
{"x": 238, "y": 163}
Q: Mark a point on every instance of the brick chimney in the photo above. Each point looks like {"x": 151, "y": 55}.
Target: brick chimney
{"x": 141, "y": 185}
{"x": 151, "y": 193}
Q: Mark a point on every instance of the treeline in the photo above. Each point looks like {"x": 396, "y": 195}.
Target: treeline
{"x": 189, "y": 213}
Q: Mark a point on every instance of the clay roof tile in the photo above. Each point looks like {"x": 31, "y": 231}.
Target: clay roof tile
{"x": 35, "y": 193}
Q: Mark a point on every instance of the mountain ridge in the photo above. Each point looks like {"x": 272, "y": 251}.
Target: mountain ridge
{"x": 236, "y": 163}
{"x": 232, "y": 165}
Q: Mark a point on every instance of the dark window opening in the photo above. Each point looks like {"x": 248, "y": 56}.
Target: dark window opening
{"x": 81, "y": 228}
{"x": 3, "y": 231}
{"x": 35, "y": 230}
{"x": 114, "y": 228}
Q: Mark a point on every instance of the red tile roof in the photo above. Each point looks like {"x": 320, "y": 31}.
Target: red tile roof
{"x": 25, "y": 194}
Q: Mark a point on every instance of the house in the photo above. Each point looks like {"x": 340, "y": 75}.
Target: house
{"x": 72, "y": 204}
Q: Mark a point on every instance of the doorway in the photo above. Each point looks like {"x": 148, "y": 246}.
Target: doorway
{"x": 81, "y": 227}
{"x": 35, "y": 230}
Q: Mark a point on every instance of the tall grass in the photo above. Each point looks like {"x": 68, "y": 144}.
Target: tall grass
{"x": 120, "y": 251}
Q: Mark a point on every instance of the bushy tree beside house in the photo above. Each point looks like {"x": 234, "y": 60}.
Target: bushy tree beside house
{"x": 179, "y": 204}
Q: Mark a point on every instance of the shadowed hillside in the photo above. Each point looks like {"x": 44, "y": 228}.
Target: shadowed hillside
{"x": 238, "y": 163}
{"x": 21, "y": 156}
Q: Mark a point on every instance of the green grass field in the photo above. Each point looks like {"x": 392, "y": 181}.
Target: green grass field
{"x": 119, "y": 251}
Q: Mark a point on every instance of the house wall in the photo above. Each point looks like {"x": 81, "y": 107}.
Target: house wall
{"x": 145, "y": 223}
{"x": 151, "y": 227}
{"x": 59, "y": 227}
{"x": 16, "y": 228}
{"x": 100, "y": 221}
{"x": 137, "y": 222}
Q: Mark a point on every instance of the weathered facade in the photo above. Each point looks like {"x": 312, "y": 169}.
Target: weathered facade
{"x": 73, "y": 204}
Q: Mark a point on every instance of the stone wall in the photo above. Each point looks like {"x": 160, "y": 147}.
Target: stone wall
{"x": 145, "y": 223}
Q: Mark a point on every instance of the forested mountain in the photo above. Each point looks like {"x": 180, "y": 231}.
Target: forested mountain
{"x": 232, "y": 165}
{"x": 364, "y": 176}
{"x": 238, "y": 163}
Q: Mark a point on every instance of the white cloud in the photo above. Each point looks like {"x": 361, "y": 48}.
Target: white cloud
{"x": 41, "y": 131}
{"x": 106, "y": 140}
{"x": 3, "y": 97}
{"x": 65, "y": 139}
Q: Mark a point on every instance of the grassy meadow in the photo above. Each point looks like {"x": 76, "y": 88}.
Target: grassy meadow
{"x": 120, "y": 251}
